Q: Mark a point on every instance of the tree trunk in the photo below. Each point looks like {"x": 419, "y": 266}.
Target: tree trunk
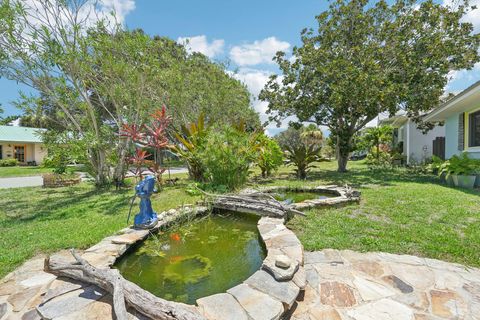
{"x": 98, "y": 161}
{"x": 343, "y": 149}
{"x": 120, "y": 168}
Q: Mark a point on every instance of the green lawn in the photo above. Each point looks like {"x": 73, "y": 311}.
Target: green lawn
{"x": 400, "y": 212}
{"x": 46, "y": 220}
{"x": 6, "y": 172}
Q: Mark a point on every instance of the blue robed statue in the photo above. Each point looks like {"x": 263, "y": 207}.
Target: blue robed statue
{"x": 146, "y": 218}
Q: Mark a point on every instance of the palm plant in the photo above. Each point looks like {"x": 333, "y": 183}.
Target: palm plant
{"x": 302, "y": 156}
{"x": 192, "y": 139}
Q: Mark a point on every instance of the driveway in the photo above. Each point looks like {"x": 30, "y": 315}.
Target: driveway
{"x": 20, "y": 182}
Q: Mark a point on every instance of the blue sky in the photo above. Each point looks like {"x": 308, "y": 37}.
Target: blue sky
{"x": 245, "y": 33}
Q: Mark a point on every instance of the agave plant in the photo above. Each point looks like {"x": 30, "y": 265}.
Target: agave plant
{"x": 302, "y": 157}
{"x": 192, "y": 138}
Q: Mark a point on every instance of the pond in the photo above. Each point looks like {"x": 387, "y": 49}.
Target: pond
{"x": 300, "y": 196}
{"x": 202, "y": 257}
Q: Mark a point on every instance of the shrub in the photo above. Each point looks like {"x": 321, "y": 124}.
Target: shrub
{"x": 227, "y": 156}
{"x": 8, "y": 162}
{"x": 270, "y": 155}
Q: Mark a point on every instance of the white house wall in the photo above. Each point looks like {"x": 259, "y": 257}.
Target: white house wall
{"x": 420, "y": 146}
{"x": 40, "y": 152}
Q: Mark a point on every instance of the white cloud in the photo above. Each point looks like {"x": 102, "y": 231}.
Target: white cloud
{"x": 121, "y": 7}
{"x": 42, "y": 13}
{"x": 255, "y": 81}
{"x": 473, "y": 16}
{"x": 200, "y": 44}
{"x": 463, "y": 75}
{"x": 260, "y": 51}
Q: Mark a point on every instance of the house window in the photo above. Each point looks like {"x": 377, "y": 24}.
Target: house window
{"x": 1, "y": 152}
{"x": 474, "y": 129}
{"x": 20, "y": 153}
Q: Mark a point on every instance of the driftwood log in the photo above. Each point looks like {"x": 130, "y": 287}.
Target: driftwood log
{"x": 123, "y": 291}
{"x": 259, "y": 203}
{"x": 256, "y": 203}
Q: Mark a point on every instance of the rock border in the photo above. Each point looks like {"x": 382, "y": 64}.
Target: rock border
{"x": 344, "y": 195}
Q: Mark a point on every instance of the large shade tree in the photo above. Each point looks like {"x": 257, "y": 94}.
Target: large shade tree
{"x": 93, "y": 76}
{"x": 368, "y": 57}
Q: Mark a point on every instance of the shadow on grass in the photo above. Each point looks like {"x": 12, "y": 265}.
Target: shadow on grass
{"x": 362, "y": 177}
{"x": 63, "y": 203}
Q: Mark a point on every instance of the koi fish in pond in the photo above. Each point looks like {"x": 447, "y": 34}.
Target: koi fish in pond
{"x": 175, "y": 237}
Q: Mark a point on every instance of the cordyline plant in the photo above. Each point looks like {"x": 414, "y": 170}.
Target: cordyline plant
{"x": 152, "y": 135}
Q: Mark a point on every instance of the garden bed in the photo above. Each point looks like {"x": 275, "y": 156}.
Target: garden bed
{"x": 53, "y": 180}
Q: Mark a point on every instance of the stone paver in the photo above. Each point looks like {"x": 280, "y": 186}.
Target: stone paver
{"x": 216, "y": 306}
{"x": 348, "y": 285}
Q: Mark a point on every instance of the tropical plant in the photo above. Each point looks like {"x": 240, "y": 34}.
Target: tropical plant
{"x": 460, "y": 165}
{"x": 93, "y": 76}
{"x": 270, "y": 155}
{"x": 302, "y": 157}
{"x": 192, "y": 139}
{"x": 375, "y": 139}
{"x": 367, "y": 57}
{"x": 227, "y": 156}
{"x": 302, "y": 146}
{"x": 152, "y": 135}
{"x": 435, "y": 164}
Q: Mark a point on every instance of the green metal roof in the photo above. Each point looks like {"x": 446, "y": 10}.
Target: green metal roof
{"x": 20, "y": 134}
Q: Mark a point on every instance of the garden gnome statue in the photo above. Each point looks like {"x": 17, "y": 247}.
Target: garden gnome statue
{"x": 146, "y": 218}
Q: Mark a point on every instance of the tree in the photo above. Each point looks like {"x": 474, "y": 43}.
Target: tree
{"x": 368, "y": 57}
{"x": 92, "y": 76}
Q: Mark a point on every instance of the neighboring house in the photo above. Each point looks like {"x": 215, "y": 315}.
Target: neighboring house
{"x": 461, "y": 115}
{"x": 417, "y": 147}
{"x": 22, "y": 143}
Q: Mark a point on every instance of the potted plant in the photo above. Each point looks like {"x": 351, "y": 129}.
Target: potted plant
{"x": 463, "y": 170}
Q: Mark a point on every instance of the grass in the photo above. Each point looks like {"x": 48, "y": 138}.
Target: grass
{"x": 17, "y": 171}
{"x": 400, "y": 212}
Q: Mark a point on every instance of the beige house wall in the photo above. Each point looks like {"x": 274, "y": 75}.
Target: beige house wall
{"x": 34, "y": 151}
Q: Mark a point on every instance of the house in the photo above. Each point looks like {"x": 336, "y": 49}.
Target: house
{"x": 416, "y": 146}
{"x": 461, "y": 115}
{"x": 22, "y": 143}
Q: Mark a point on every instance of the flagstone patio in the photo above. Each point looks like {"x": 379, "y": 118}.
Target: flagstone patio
{"x": 340, "y": 285}
{"x": 376, "y": 286}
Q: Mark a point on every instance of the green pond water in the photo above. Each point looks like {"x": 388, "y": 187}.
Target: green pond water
{"x": 300, "y": 196}
{"x": 205, "y": 256}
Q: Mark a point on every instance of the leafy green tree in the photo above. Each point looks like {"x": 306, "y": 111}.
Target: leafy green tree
{"x": 368, "y": 57}
{"x": 94, "y": 76}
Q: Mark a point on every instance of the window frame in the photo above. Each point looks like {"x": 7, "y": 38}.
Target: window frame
{"x": 472, "y": 122}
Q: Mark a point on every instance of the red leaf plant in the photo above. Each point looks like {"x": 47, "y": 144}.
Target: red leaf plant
{"x": 152, "y": 135}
